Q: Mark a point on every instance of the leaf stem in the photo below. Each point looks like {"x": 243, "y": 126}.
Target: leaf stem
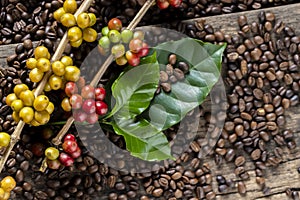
{"x": 103, "y": 68}
{"x": 15, "y": 137}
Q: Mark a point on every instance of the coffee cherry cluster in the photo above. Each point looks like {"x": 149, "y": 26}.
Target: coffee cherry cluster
{"x": 63, "y": 71}
{"x": 117, "y": 42}
{"x": 163, "y": 4}
{"x": 38, "y": 65}
{"x": 86, "y": 101}
{"x": 71, "y": 151}
{"x": 7, "y": 184}
{"x": 4, "y": 139}
{"x": 84, "y": 22}
{"x": 28, "y": 108}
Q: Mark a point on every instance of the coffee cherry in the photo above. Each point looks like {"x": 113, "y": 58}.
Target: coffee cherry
{"x": 43, "y": 64}
{"x": 76, "y": 101}
{"x": 20, "y": 88}
{"x": 47, "y": 87}
{"x": 103, "y": 51}
{"x": 70, "y": 6}
{"x": 35, "y": 123}
{"x": 42, "y": 117}
{"x": 83, "y": 20}
{"x": 71, "y": 88}
{"x": 88, "y": 106}
{"x": 41, "y": 52}
{"x": 115, "y": 24}
{"x": 70, "y": 137}
{"x": 121, "y": 61}
{"x": 79, "y": 115}
{"x": 40, "y": 103}
{"x": 89, "y": 35}
{"x": 26, "y": 114}
{"x": 68, "y": 20}
{"x": 93, "y": 19}
{"x": 66, "y": 105}
{"x": 17, "y": 105}
{"x": 76, "y": 153}
{"x": 175, "y": 3}
{"x": 144, "y": 51}
{"x": 65, "y": 159}
{"x": 114, "y": 36}
{"x": 77, "y": 43}
{"x": 10, "y": 98}
{"x": 69, "y": 146}
{"x": 139, "y": 35}
{"x": 53, "y": 164}
{"x": 55, "y": 82}
{"x": 36, "y": 75}
{"x": 105, "y": 31}
{"x": 51, "y": 153}
{"x": 100, "y": 93}
{"x": 80, "y": 83}
{"x": 135, "y": 45}
{"x": 58, "y": 68}
{"x": 104, "y": 42}
{"x": 15, "y": 116}
{"x": 31, "y": 63}
{"x": 2, "y": 193}
{"x": 67, "y": 60}
{"x": 58, "y": 13}
{"x": 101, "y": 108}
{"x": 74, "y": 34}
{"x": 4, "y": 139}
{"x": 27, "y": 97}
{"x": 8, "y": 183}
{"x": 126, "y": 35}
{"x": 118, "y": 50}
{"x": 132, "y": 58}
{"x": 88, "y": 92}
{"x": 50, "y": 108}
{"x": 72, "y": 73}
{"x": 162, "y": 4}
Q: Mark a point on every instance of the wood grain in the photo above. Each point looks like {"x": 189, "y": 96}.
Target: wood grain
{"x": 285, "y": 175}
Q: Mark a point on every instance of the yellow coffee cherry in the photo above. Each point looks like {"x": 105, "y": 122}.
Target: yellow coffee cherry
{"x": 41, "y": 52}
{"x": 15, "y": 116}
{"x": 72, "y": 73}
{"x": 74, "y": 34}
{"x": 6, "y": 196}
{"x": 83, "y": 20}
{"x": 35, "y": 123}
{"x": 10, "y": 98}
{"x": 2, "y": 192}
{"x": 55, "y": 82}
{"x": 42, "y": 117}
{"x": 31, "y": 63}
{"x": 36, "y": 75}
{"x": 27, "y": 97}
{"x": 67, "y": 61}
{"x": 93, "y": 19}
{"x": 17, "y": 105}
{"x": 65, "y": 104}
{"x": 58, "y": 68}
{"x": 89, "y": 35}
{"x": 41, "y": 102}
{"x": 43, "y": 64}
{"x": 58, "y": 13}
{"x": 47, "y": 87}
{"x": 26, "y": 114}
{"x": 70, "y": 6}
{"x": 68, "y": 20}
{"x": 20, "y": 88}
{"x": 50, "y": 108}
{"x": 77, "y": 43}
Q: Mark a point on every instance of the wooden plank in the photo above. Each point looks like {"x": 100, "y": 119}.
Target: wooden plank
{"x": 289, "y": 14}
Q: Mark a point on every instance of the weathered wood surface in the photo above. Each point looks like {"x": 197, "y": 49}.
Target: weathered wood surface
{"x": 285, "y": 175}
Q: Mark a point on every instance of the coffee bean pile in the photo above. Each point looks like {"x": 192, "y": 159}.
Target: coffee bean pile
{"x": 34, "y": 20}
